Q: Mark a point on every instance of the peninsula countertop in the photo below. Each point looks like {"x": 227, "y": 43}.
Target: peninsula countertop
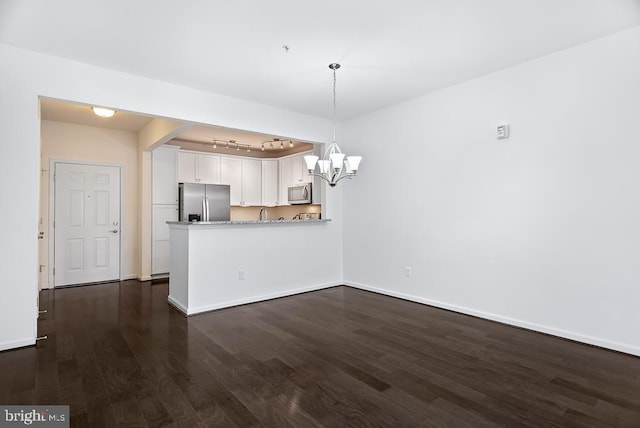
{"x": 245, "y": 222}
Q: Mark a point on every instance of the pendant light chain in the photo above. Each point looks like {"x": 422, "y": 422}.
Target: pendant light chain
{"x": 334, "y": 105}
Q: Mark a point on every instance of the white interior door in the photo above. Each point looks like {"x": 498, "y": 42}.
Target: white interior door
{"x": 86, "y": 223}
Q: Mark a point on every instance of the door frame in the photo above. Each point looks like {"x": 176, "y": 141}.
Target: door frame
{"x": 52, "y": 200}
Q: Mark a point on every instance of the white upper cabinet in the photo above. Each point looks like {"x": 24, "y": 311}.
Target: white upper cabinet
{"x": 245, "y": 178}
{"x": 254, "y": 182}
{"x": 163, "y": 182}
{"x": 198, "y": 168}
{"x": 284, "y": 165}
{"x": 251, "y": 182}
{"x": 187, "y": 167}
{"x": 293, "y": 171}
{"x": 208, "y": 167}
{"x": 299, "y": 170}
{"x": 231, "y": 174}
{"x": 270, "y": 182}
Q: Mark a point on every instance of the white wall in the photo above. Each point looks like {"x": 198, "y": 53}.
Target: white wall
{"x": 541, "y": 230}
{"x": 63, "y": 141}
{"x": 24, "y": 76}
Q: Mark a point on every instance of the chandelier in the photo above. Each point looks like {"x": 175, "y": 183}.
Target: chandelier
{"x": 334, "y": 165}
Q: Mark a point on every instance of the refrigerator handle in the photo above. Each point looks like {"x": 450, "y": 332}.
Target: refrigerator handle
{"x": 204, "y": 210}
{"x": 207, "y": 205}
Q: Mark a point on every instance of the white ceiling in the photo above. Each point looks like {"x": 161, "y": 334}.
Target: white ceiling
{"x": 390, "y": 51}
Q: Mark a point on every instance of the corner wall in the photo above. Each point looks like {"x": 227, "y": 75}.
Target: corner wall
{"x": 541, "y": 230}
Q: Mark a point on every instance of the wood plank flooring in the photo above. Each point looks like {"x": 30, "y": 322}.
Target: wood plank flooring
{"x": 119, "y": 355}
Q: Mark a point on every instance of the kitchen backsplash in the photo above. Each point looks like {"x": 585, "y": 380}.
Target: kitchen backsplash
{"x": 273, "y": 213}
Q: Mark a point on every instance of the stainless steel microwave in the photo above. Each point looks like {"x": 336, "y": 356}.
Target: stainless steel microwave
{"x": 300, "y": 194}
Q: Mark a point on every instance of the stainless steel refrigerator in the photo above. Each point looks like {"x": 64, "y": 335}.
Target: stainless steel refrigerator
{"x": 204, "y": 202}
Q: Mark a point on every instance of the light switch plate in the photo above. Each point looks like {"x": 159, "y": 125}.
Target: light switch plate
{"x": 502, "y": 131}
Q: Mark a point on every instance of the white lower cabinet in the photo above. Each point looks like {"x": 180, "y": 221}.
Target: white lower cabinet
{"x": 160, "y": 237}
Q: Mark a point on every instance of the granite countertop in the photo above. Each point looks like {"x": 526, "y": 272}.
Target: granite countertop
{"x": 213, "y": 223}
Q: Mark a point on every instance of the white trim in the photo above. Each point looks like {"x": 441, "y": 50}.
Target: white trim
{"x": 52, "y": 197}
{"x": 590, "y": 340}
{"x": 207, "y": 308}
{"x": 18, "y": 343}
{"x": 179, "y": 306}
{"x": 144, "y": 278}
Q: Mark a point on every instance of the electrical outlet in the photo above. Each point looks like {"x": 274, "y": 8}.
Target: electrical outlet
{"x": 408, "y": 271}
{"x": 241, "y": 275}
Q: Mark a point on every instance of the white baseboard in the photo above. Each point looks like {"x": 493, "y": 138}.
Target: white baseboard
{"x": 603, "y": 343}
{"x": 144, "y": 278}
{"x": 254, "y": 299}
{"x": 5, "y": 346}
{"x": 131, "y": 276}
{"x": 179, "y": 306}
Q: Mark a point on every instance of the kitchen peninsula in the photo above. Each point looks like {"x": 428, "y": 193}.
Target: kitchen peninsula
{"x": 258, "y": 189}
{"x": 214, "y": 265}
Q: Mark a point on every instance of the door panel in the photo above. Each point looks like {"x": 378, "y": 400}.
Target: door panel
{"x": 86, "y": 223}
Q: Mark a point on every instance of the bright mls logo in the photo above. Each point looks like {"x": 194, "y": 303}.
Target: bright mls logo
{"x": 39, "y": 416}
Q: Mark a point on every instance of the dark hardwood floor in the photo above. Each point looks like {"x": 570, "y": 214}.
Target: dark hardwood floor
{"x": 119, "y": 355}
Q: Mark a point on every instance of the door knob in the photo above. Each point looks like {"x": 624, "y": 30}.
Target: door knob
{"x": 114, "y": 231}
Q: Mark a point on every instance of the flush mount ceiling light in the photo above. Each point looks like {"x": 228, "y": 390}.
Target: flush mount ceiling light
{"x": 334, "y": 166}
{"x": 103, "y": 112}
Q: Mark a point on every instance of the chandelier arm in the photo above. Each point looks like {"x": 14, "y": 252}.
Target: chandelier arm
{"x": 333, "y": 179}
{"x": 315, "y": 174}
{"x": 343, "y": 177}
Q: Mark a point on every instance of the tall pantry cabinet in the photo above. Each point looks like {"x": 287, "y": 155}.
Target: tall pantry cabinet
{"x": 164, "y": 208}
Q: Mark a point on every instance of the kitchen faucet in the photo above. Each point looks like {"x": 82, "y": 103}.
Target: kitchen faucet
{"x": 266, "y": 214}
